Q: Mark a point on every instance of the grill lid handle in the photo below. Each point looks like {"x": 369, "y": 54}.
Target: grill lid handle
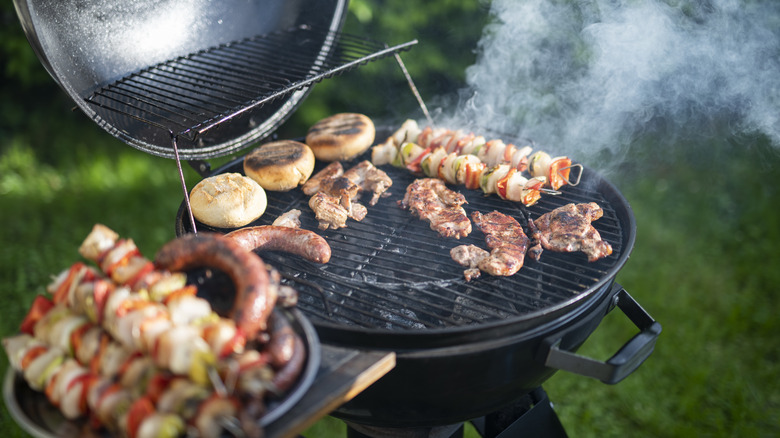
{"x": 625, "y": 361}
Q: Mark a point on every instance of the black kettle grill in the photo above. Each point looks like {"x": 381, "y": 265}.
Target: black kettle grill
{"x": 199, "y": 79}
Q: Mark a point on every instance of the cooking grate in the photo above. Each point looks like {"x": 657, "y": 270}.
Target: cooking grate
{"x": 191, "y": 95}
{"x": 392, "y": 272}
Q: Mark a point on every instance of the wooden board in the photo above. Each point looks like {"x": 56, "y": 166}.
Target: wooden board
{"x": 343, "y": 374}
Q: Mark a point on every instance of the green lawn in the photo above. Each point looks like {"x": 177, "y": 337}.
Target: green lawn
{"x": 705, "y": 263}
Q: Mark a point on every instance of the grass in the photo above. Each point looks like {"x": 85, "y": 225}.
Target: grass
{"x": 705, "y": 266}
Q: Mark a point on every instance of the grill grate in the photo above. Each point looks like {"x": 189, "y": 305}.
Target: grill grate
{"x": 392, "y": 272}
{"x": 191, "y": 95}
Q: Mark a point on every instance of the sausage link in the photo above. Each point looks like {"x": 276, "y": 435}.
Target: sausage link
{"x": 255, "y": 299}
{"x": 287, "y": 375}
{"x": 304, "y": 243}
{"x": 282, "y": 342}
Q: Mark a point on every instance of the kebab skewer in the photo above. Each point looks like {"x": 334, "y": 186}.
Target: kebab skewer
{"x": 67, "y": 335}
{"x": 459, "y": 158}
{"x": 77, "y": 286}
{"x": 119, "y": 388}
{"x": 257, "y": 291}
{"x": 557, "y": 170}
{"x": 284, "y": 348}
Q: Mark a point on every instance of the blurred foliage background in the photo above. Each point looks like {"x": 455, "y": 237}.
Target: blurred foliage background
{"x": 705, "y": 263}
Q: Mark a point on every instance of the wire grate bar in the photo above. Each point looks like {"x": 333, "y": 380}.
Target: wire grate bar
{"x": 190, "y": 95}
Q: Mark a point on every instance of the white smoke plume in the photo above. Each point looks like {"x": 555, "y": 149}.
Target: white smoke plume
{"x": 581, "y": 76}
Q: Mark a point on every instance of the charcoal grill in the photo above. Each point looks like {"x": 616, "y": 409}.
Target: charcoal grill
{"x": 463, "y": 349}
{"x": 206, "y": 79}
{"x": 391, "y": 273}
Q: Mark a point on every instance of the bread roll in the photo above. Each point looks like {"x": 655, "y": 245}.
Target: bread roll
{"x": 280, "y": 166}
{"x": 227, "y": 200}
{"x": 341, "y": 136}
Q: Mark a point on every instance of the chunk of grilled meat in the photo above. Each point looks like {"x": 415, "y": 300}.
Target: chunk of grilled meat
{"x": 431, "y": 200}
{"x": 323, "y": 180}
{"x": 569, "y": 229}
{"x": 328, "y": 211}
{"x": 506, "y": 240}
{"x": 469, "y": 256}
{"x": 369, "y": 179}
{"x": 334, "y": 192}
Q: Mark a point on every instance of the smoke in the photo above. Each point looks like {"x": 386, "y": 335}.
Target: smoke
{"x": 582, "y": 76}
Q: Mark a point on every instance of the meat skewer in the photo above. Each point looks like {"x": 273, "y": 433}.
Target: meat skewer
{"x": 459, "y": 158}
{"x": 109, "y": 371}
{"x": 224, "y": 338}
{"x": 120, "y": 397}
{"x": 556, "y": 170}
{"x": 256, "y": 290}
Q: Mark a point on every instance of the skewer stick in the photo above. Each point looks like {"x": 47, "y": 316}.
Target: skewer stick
{"x": 216, "y": 382}
{"x": 414, "y": 88}
{"x": 232, "y": 426}
{"x": 579, "y": 175}
{"x": 183, "y": 184}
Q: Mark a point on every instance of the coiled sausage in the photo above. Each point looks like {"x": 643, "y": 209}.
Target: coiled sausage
{"x": 255, "y": 298}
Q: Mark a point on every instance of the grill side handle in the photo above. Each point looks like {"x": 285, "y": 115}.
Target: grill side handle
{"x": 621, "y": 364}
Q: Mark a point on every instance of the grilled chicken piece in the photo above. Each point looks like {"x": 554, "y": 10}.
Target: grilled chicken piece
{"x": 431, "y": 200}
{"x": 321, "y": 181}
{"x": 469, "y": 256}
{"x": 334, "y": 192}
{"x": 506, "y": 240}
{"x": 569, "y": 229}
{"x": 366, "y": 176}
{"x": 289, "y": 219}
{"x": 328, "y": 211}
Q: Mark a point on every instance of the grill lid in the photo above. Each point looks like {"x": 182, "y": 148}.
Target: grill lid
{"x": 152, "y": 72}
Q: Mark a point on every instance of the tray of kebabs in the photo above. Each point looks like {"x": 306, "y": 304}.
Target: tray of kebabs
{"x": 202, "y": 340}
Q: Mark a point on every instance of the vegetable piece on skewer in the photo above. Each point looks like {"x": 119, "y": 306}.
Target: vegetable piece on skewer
{"x": 557, "y": 170}
{"x": 40, "y": 307}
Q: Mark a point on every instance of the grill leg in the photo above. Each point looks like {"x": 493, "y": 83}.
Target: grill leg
{"x": 532, "y": 416}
